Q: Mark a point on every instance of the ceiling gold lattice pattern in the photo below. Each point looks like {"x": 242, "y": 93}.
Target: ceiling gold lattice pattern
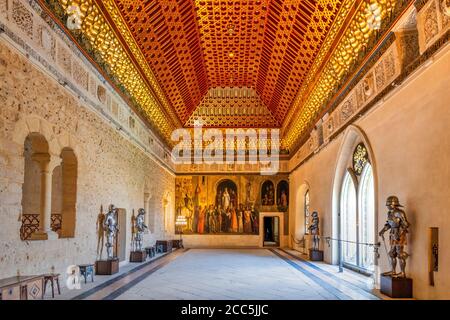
{"x": 232, "y": 107}
{"x": 178, "y": 58}
{"x": 196, "y": 45}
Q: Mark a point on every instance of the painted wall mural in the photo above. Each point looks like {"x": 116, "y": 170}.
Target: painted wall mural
{"x": 225, "y": 204}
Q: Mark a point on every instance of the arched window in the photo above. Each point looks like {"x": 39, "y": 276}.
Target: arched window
{"x": 357, "y": 208}
{"x": 366, "y": 216}
{"x": 306, "y": 213}
{"x": 348, "y": 218}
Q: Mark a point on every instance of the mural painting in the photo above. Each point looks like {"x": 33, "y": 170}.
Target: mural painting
{"x": 225, "y": 204}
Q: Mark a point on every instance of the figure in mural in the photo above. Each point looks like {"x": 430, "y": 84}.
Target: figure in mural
{"x": 248, "y": 190}
{"x": 197, "y": 195}
{"x": 234, "y": 221}
{"x": 195, "y": 218}
{"x": 247, "y": 220}
{"x": 240, "y": 216}
{"x": 267, "y": 194}
{"x": 110, "y": 226}
{"x": 201, "y": 220}
{"x": 271, "y": 195}
{"x": 188, "y": 212}
{"x": 100, "y": 234}
{"x": 226, "y": 200}
{"x": 283, "y": 199}
{"x": 211, "y": 221}
{"x": 217, "y": 217}
{"x": 314, "y": 230}
{"x": 255, "y": 220}
{"x": 398, "y": 226}
{"x": 139, "y": 228}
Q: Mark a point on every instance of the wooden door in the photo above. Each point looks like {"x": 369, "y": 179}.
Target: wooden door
{"x": 121, "y": 240}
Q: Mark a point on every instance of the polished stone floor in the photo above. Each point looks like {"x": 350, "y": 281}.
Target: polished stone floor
{"x": 229, "y": 274}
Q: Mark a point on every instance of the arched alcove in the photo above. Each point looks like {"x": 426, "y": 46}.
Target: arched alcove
{"x": 283, "y": 194}
{"x": 36, "y": 160}
{"x": 69, "y": 173}
{"x": 355, "y": 181}
{"x": 299, "y": 225}
{"x": 267, "y": 193}
{"x": 226, "y": 193}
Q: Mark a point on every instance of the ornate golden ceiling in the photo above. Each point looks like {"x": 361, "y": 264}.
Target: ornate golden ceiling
{"x": 231, "y": 63}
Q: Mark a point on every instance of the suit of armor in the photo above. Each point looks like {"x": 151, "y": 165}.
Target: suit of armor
{"x": 398, "y": 225}
{"x": 139, "y": 227}
{"x": 110, "y": 226}
{"x": 314, "y": 229}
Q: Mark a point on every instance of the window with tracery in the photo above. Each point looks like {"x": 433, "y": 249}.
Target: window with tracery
{"x": 357, "y": 208}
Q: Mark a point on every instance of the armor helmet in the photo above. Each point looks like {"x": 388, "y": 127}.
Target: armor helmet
{"x": 393, "y": 200}
{"x": 141, "y": 211}
{"x": 315, "y": 214}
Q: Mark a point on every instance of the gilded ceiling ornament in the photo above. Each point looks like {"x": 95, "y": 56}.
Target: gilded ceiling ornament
{"x": 74, "y": 17}
{"x": 373, "y": 12}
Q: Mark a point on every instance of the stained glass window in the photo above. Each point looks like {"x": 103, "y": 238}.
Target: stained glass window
{"x": 306, "y": 212}
{"x": 360, "y": 158}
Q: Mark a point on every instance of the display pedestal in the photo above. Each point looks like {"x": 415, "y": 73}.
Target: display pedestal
{"x": 315, "y": 255}
{"x": 396, "y": 287}
{"x": 138, "y": 256}
{"x": 106, "y": 267}
{"x": 178, "y": 244}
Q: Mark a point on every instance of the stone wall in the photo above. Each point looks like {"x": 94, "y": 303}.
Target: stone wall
{"x": 110, "y": 168}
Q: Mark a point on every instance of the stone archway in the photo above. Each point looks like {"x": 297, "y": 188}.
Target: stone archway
{"x": 352, "y": 137}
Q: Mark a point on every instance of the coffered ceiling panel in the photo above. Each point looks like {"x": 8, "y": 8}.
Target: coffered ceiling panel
{"x": 167, "y": 33}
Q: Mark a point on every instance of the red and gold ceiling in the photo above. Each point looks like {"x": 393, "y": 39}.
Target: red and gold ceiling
{"x": 230, "y": 63}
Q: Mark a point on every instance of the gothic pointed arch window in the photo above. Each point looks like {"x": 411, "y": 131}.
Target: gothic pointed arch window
{"x": 357, "y": 209}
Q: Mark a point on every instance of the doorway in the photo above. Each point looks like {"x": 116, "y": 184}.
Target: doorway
{"x": 121, "y": 240}
{"x": 271, "y": 232}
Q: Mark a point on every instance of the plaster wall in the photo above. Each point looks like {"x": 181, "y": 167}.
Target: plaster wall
{"x": 409, "y": 136}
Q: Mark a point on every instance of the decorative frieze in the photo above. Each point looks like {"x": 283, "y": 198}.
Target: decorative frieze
{"x": 22, "y": 17}
{"x": 433, "y": 20}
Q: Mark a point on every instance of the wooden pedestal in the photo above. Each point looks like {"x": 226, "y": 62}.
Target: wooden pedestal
{"x": 164, "y": 246}
{"x": 138, "y": 256}
{"x": 177, "y": 244}
{"x": 107, "y": 267}
{"x": 396, "y": 287}
{"x": 315, "y": 255}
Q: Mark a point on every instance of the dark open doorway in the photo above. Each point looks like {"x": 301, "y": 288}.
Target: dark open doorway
{"x": 271, "y": 231}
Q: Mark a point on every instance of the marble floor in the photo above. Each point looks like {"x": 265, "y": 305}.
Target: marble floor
{"x": 230, "y": 274}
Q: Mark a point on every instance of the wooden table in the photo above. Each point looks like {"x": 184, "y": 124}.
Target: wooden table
{"x": 22, "y": 288}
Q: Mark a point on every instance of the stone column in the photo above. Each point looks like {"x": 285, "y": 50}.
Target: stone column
{"x": 47, "y": 164}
